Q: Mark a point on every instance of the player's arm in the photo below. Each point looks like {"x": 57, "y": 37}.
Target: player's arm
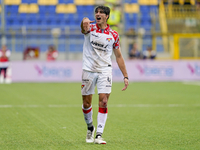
{"x": 122, "y": 67}
{"x": 85, "y": 25}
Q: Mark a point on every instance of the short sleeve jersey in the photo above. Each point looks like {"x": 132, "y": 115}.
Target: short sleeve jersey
{"x": 97, "y": 48}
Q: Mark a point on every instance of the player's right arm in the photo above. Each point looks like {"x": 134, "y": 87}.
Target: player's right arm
{"x": 85, "y": 25}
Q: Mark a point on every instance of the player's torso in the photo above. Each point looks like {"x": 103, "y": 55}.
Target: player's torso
{"x": 102, "y": 43}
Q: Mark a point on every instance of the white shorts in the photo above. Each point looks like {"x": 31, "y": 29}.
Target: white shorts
{"x": 103, "y": 80}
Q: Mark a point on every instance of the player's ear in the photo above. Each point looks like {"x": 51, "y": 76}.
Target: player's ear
{"x": 107, "y": 17}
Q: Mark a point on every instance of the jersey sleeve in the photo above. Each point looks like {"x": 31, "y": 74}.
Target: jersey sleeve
{"x": 116, "y": 43}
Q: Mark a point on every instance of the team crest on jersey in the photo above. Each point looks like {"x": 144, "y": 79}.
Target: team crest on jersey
{"x": 109, "y": 39}
{"x": 82, "y": 86}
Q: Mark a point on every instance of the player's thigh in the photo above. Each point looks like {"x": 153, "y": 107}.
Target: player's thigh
{"x": 88, "y": 82}
{"x": 104, "y": 83}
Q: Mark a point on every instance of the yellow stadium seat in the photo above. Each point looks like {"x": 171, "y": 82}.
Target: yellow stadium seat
{"x": 33, "y": 8}
{"x": 60, "y": 8}
{"x": 148, "y": 2}
{"x": 12, "y": 2}
{"x": 181, "y": 2}
{"x": 47, "y": 2}
{"x": 192, "y": 2}
{"x": 23, "y": 8}
{"x": 84, "y": 2}
{"x": 66, "y": 8}
{"x": 26, "y": 8}
{"x": 153, "y": 2}
{"x": 131, "y": 8}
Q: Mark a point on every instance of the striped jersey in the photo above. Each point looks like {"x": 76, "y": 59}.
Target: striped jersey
{"x": 97, "y": 48}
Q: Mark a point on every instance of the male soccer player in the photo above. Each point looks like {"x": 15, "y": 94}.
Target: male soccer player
{"x": 4, "y": 60}
{"x": 99, "y": 43}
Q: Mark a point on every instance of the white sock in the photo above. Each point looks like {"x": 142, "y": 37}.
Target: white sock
{"x": 87, "y": 112}
{"x": 101, "y": 119}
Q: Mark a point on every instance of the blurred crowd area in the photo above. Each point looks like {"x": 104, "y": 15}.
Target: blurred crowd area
{"x": 30, "y": 29}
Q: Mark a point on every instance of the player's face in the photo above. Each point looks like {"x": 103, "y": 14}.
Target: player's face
{"x": 100, "y": 17}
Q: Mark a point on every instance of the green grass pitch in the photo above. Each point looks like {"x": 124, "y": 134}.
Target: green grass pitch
{"x": 147, "y": 116}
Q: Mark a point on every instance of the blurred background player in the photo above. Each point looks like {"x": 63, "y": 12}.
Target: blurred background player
{"x": 4, "y": 61}
{"x": 134, "y": 53}
{"x": 52, "y": 53}
{"x": 100, "y": 41}
{"x": 149, "y": 53}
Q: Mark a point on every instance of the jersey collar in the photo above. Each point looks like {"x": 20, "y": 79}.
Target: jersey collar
{"x": 107, "y": 28}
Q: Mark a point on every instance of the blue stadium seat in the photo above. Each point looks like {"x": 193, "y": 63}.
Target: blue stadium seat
{"x": 25, "y": 1}
{"x": 146, "y": 25}
{"x": 29, "y": 1}
{"x": 159, "y": 48}
{"x": 61, "y": 47}
{"x": 66, "y": 1}
{"x": 11, "y": 9}
{"x": 144, "y": 9}
{"x": 131, "y": 16}
{"x": 154, "y": 7}
{"x": 76, "y": 48}
{"x": 19, "y": 48}
{"x": 131, "y": 1}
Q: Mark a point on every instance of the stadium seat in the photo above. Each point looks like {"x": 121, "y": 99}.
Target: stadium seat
{"x": 23, "y": 8}
{"x": 62, "y": 46}
{"x": 159, "y": 48}
{"x": 11, "y": 9}
{"x": 148, "y": 2}
{"x": 12, "y": 2}
{"x": 19, "y": 48}
{"x": 47, "y": 2}
{"x": 65, "y": 1}
{"x": 84, "y": 2}
{"x": 131, "y": 8}
{"x": 144, "y": 9}
{"x": 63, "y": 8}
{"x": 33, "y": 8}
{"x": 131, "y": 1}
{"x": 131, "y": 17}
{"x": 29, "y": 1}
{"x": 26, "y": 8}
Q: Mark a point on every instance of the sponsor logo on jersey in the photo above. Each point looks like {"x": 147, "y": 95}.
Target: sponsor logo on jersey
{"x": 82, "y": 86}
{"x": 85, "y": 80}
{"x": 109, "y": 39}
{"x": 108, "y": 86}
{"x": 97, "y": 44}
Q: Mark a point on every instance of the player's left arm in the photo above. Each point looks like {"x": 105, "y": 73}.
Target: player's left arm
{"x": 122, "y": 66}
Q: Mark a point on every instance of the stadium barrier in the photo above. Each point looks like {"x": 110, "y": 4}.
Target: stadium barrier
{"x": 70, "y": 71}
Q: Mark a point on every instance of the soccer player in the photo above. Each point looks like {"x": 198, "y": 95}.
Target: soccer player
{"x": 99, "y": 43}
{"x": 4, "y": 60}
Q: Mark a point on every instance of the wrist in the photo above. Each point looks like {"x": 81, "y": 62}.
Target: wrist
{"x": 126, "y": 78}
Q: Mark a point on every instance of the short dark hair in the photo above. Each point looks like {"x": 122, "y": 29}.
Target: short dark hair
{"x": 105, "y": 9}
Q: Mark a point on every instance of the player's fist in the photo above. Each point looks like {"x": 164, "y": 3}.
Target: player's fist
{"x": 86, "y": 24}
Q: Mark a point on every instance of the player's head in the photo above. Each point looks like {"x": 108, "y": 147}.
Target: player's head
{"x": 4, "y": 48}
{"x": 102, "y": 13}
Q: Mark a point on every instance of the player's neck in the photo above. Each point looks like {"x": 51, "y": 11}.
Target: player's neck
{"x": 102, "y": 26}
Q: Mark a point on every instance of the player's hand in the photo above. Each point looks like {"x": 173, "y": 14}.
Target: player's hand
{"x": 126, "y": 83}
{"x": 86, "y": 24}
